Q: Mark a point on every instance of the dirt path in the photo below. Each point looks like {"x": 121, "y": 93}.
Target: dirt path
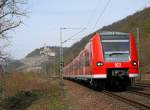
{"x": 79, "y": 97}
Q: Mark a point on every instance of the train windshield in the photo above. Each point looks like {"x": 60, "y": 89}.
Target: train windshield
{"x": 116, "y": 48}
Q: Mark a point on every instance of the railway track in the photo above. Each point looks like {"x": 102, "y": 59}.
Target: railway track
{"x": 127, "y": 101}
{"x": 139, "y": 93}
{"x": 142, "y": 84}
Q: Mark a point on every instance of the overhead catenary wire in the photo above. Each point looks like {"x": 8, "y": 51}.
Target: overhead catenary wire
{"x": 91, "y": 14}
{"x": 87, "y": 24}
{"x": 99, "y": 17}
{"x": 103, "y": 11}
{"x": 74, "y": 35}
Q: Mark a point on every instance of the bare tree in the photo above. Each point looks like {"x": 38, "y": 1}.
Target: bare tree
{"x": 11, "y": 12}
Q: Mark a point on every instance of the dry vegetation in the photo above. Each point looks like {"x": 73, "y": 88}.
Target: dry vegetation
{"x": 30, "y": 91}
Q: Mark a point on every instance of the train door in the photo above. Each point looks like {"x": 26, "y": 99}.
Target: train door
{"x": 83, "y": 57}
{"x": 78, "y": 62}
{"x": 80, "y": 65}
{"x": 87, "y": 63}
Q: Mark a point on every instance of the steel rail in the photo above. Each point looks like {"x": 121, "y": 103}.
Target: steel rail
{"x": 127, "y": 101}
{"x": 139, "y": 93}
{"x": 142, "y": 85}
{"x": 145, "y": 84}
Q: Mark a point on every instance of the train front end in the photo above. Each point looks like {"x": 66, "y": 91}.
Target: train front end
{"x": 119, "y": 60}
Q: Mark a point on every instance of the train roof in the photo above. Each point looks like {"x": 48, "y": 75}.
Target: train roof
{"x": 114, "y": 35}
{"x": 106, "y": 33}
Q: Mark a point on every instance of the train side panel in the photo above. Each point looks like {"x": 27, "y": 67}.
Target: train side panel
{"x": 134, "y": 70}
{"x": 81, "y": 66}
{"x": 97, "y": 56}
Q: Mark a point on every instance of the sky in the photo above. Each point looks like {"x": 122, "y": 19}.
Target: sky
{"x": 46, "y": 17}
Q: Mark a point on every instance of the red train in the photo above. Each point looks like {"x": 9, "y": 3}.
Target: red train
{"x": 108, "y": 60}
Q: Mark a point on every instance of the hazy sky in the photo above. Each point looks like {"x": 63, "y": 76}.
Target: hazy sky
{"x": 47, "y": 16}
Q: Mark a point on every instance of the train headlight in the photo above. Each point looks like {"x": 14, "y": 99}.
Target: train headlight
{"x": 134, "y": 63}
{"x": 100, "y": 64}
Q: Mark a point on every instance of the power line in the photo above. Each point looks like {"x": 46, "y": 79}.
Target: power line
{"x": 91, "y": 15}
{"x": 103, "y": 11}
{"x": 88, "y": 23}
{"x": 74, "y": 35}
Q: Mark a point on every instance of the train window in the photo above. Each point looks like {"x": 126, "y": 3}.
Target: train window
{"x": 114, "y": 35}
{"x": 116, "y": 49}
{"x": 87, "y": 61}
{"x": 80, "y": 62}
{"x": 115, "y": 46}
{"x": 76, "y": 65}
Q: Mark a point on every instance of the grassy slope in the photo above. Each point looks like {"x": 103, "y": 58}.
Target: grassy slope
{"x": 140, "y": 19}
{"x": 29, "y": 91}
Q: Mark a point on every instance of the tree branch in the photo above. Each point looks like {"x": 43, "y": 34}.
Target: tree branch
{"x": 11, "y": 12}
{"x": 3, "y": 3}
{"x": 10, "y": 27}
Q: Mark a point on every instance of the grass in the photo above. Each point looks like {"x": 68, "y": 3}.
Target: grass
{"x": 20, "y": 101}
{"x": 49, "y": 101}
{"x": 30, "y": 91}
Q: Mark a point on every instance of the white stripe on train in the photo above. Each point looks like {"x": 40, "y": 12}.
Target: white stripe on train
{"x": 97, "y": 76}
